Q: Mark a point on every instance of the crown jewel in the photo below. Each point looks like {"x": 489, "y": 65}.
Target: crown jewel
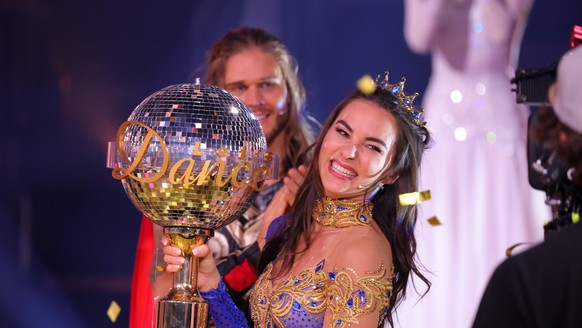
{"x": 405, "y": 100}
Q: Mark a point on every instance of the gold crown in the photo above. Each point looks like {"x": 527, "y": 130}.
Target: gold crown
{"x": 397, "y": 90}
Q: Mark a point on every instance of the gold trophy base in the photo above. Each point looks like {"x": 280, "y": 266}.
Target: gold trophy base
{"x": 182, "y": 314}
{"x": 183, "y": 307}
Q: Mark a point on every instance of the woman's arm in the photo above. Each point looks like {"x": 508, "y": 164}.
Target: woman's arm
{"x": 421, "y": 18}
{"x": 503, "y": 18}
{"x": 223, "y": 311}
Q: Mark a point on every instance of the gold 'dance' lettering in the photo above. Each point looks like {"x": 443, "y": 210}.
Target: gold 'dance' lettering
{"x": 187, "y": 178}
{"x": 257, "y": 176}
{"x": 119, "y": 173}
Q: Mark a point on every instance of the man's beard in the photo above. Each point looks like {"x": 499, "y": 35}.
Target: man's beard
{"x": 278, "y": 129}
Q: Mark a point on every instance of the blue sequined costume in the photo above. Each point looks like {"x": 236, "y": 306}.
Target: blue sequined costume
{"x": 303, "y": 299}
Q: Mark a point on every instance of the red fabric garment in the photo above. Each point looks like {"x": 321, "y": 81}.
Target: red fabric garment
{"x": 141, "y": 306}
{"x": 241, "y": 276}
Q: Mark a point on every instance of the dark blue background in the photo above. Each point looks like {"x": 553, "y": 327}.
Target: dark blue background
{"x": 72, "y": 71}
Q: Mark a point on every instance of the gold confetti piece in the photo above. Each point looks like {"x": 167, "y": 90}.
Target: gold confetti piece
{"x": 575, "y": 217}
{"x": 434, "y": 221}
{"x": 412, "y": 198}
{"x": 160, "y": 268}
{"x": 366, "y": 84}
{"x": 509, "y": 251}
{"x": 113, "y": 311}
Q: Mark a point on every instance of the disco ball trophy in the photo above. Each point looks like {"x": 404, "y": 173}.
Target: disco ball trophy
{"x": 191, "y": 158}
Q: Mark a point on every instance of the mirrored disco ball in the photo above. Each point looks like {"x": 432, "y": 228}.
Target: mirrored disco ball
{"x": 191, "y": 154}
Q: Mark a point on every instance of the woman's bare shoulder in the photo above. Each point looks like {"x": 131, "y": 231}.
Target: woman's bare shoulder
{"x": 363, "y": 249}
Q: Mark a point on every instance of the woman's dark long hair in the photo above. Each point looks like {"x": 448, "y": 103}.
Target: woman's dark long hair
{"x": 396, "y": 221}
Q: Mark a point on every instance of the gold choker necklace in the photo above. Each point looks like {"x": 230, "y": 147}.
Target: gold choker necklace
{"x": 340, "y": 213}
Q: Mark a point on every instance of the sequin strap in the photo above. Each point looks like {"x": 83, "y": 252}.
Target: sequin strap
{"x": 223, "y": 311}
{"x": 350, "y": 296}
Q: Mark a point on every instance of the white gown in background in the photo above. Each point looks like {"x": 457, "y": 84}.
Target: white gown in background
{"x": 477, "y": 167}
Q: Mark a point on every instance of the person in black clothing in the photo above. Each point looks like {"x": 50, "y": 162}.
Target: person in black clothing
{"x": 542, "y": 287}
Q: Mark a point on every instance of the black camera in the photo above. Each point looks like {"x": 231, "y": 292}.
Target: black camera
{"x": 531, "y": 85}
{"x": 546, "y": 170}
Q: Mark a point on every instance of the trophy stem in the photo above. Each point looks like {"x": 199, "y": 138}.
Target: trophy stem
{"x": 183, "y": 306}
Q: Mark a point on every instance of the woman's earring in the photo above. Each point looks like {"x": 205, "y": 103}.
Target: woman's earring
{"x": 379, "y": 186}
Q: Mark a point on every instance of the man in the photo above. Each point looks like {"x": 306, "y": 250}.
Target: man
{"x": 255, "y": 66}
{"x": 542, "y": 287}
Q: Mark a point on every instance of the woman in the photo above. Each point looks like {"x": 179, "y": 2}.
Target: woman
{"x": 344, "y": 254}
{"x": 255, "y": 66}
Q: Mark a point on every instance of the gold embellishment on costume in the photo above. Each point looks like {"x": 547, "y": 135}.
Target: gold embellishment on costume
{"x": 348, "y": 300}
{"x": 259, "y": 297}
{"x": 306, "y": 290}
{"x": 339, "y": 213}
{"x": 412, "y": 198}
{"x": 341, "y": 291}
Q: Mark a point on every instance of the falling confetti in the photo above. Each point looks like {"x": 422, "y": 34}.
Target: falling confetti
{"x": 575, "y": 217}
{"x": 113, "y": 311}
{"x": 434, "y": 221}
{"x": 509, "y": 251}
{"x": 366, "y": 84}
{"x": 412, "y": 198}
